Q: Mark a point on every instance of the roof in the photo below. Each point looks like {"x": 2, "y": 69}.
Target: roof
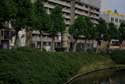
{"x": 110, "y": 12}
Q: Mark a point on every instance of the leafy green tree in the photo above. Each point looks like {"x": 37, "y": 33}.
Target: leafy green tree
{"x": 77, "y": 29}
{"x": 122, "y": 32}
{"x": 102, "y": 29}
{"x": 101, "y": 33}
{"x": 8, "y": 10}
{"x": 89, "y": 31}
{"x": 57, "y": 24}
{"x": 112, "y": 33}
{"x": 24, "y": 18}
{"x": 93, "y": 33}
{"x": 40, "y": 19}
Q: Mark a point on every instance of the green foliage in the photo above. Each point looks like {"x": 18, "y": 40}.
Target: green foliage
{"x": 30, "y": 66}
{"x": 102, "y": 29}
{"x": 83, "y": 26}
{"x": 122, "y": 31}
{"x": 78, "y": 27}
{"x": 89, "y": 29}
{"x": 8, "y": 10}
{"x": 112, "y": 31}
{"x": 118, "y": 56}
{"x": 93, "y": 32}
{"x": 24, "y": 13}
{"x": 57, "y": 21}
{"x": 40, "y": 17}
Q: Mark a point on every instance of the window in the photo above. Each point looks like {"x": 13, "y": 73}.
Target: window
{"x": 116, "y": 20}
{"x": 112, "y": 19}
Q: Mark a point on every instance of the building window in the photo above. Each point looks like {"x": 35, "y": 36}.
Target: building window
{"x": 112, "y": 19}
{"x": 86, "y": 6}
{"x": 120, "y": 20}
{"x": 116, "y": 20}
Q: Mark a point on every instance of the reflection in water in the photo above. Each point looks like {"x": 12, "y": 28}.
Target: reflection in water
{"x": 108, "y": 76}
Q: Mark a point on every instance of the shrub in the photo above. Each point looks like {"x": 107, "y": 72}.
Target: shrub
{"x": 118, "y": 56}
{"x": 30, "y": 66}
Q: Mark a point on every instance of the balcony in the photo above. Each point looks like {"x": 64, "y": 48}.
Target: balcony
{"x": 80, "y": 13}
{"x": 60, "y": 2}
{"x": 81, "y": 7}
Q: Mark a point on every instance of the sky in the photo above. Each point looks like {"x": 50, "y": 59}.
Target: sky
{"x": 113, "y": 4}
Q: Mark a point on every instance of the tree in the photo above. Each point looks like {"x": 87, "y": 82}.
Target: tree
{"x": 40, "y": 19}
{"x": 89, "y": 31}
{"x": 122, "y": 32}
{"x": 102, "y": 29}
{"x": 101, "y": 33}
{"x": 93, "y": 33}
{"x": 112, "y": 33}
{"x": 24, "y": 19}
{"x": 77, "y": 29}
{"x": 57, "y": 24}
{"x": 8, "y": 10}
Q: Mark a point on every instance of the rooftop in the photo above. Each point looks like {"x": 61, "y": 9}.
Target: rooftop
{"x": 113, "y": 13}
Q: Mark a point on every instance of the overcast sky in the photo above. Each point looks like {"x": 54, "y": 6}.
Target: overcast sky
{"x": 114, "y": 4}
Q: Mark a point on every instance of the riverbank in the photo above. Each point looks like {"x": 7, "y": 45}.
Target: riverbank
{"x": 30, "y": 66}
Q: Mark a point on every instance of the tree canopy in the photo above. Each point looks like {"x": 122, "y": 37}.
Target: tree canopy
{"x": 57, "y": 21}
{"x": 78, "y": 27}
{"x": 102, "y": 29}
{"x": 24, "y": 13}
{"x": 112, "y": 31}
{"x": 8, "y": 10}
{"x": 40, "y": 17}
{"x": 122, "y": 31}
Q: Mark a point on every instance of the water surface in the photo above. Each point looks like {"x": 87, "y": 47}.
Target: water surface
{"x": 107, "y": 76}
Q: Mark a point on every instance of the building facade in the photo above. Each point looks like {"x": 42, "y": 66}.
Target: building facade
{"x": 71, "y": 9}
{"x": 6, "y": 38}
{"x": 113, "y": 17}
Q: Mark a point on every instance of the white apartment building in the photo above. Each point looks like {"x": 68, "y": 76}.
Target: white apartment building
{"x": 113, "y": 17}
{"x": 71, "y": 9}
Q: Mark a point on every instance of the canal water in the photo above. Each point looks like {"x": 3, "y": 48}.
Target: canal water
{"x": 107, "y": 76}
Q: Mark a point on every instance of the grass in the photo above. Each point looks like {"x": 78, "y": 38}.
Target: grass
{"x": 30, "y": 66}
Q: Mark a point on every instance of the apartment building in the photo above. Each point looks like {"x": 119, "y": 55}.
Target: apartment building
{"x": 113, "y": 17}
{"x": 71, "y": 10}
{"x": 6, "y": 38}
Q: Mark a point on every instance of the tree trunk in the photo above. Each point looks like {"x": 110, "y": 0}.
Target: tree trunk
{"x": 108, "y": 46}
{"x": 93, "y": 46}
{"x": 85, "y": 47}
{"x": 53, "y": 44}
{"x": 75, "y": 46}
{"x": 111, "y": 81}
{"x": 16, "y": 37}
{"x": 120, "y": 46}
{"x": 41, "y": 40}
{"x": 65, "y": 44}
{"x": 62, "y": 36}
{"x": 28, "y": 38}
{"x": 98, "y": 46}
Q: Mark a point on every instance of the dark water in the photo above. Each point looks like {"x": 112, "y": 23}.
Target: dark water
{"x": 107, "y": 76}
